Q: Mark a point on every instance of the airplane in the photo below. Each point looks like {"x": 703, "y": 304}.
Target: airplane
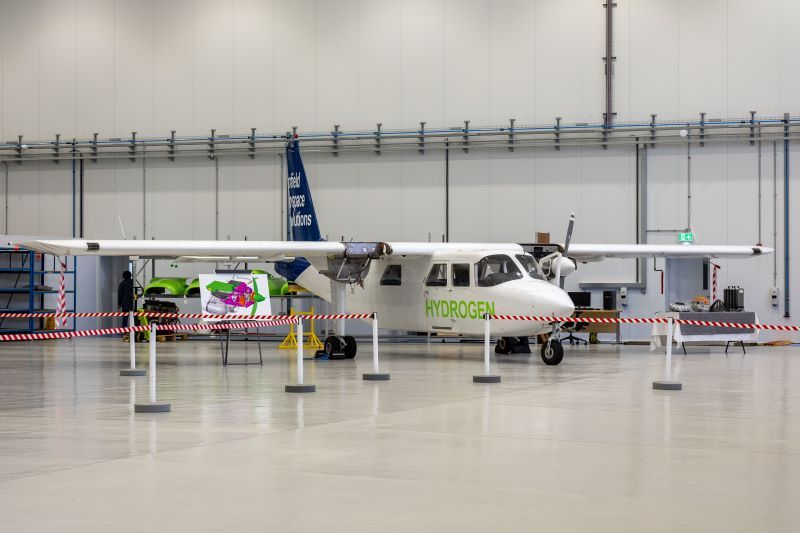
{"x": 412, "y": 286}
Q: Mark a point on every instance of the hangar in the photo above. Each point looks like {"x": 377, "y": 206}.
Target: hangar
{"x": 398, "y": 265}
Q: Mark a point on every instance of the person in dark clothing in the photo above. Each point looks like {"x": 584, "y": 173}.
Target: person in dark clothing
{"x": 125, "y": 300}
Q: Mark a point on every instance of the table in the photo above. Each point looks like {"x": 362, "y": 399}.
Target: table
{"x": 684, "y": 334}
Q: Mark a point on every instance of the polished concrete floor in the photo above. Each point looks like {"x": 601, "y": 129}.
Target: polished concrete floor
{"x": 585, "y": 446}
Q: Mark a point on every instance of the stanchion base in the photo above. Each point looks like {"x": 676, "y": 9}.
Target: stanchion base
{"x": 486, "y": 379}
{"x": 300, "y": 388}
{"x": 667, "y": 385}
{"x": 152, "y": 407}
{"x": 132, "y": 372}
{"x": 375, "y": 376}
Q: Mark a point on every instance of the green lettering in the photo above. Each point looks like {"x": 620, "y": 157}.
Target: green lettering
{"x": 428, "y": 307}
{"x": 471, "y": 309}
{"x": 490, "y": 308}
{"x": 481, "y": 309}
{"x": 462, "y": 309}
{"x": 443, "y": 310}
{"x": 453, "y": 309}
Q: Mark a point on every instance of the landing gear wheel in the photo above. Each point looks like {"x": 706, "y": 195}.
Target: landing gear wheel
{"x": 552, "y": 352}
{"x": 505, "y": 345}
{"x": 350, "y": 347}
{"x": 333, "y": 347}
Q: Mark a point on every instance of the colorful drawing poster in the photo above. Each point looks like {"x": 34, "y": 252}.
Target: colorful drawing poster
{"x": 234, "y": 296}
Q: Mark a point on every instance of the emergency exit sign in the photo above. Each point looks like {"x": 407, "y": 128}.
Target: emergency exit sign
{"x": 686, "y": 237}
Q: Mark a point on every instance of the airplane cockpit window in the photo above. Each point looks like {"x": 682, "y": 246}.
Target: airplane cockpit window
{"x": 461, "y": 275}
{"x": 529, "y": 265}
{"x": 393, "y": 275}
{"x": 496, "y": 269}
{"x": 437, "y": 277}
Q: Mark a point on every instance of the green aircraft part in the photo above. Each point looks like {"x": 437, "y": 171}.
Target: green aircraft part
{"x": 173, "y": 286}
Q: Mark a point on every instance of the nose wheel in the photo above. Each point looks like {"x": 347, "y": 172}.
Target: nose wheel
{"x": 336, "y": 347}
{"x": 552, "y": 351}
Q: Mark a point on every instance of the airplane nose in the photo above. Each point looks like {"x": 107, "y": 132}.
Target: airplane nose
{"x": 556, "y": 303}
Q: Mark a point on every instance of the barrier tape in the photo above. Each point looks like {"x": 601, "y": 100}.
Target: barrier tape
{"x": 207, "y": 316}
{"x": 644, "y": 320}
{"x": 118, "y": 331}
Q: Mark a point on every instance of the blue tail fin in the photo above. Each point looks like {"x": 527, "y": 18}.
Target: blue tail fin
{"x": 302, "y": 217}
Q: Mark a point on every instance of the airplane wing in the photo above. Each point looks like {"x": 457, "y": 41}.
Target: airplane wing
{"x": 193, "y": 251}
{"x": 585, "y": 253}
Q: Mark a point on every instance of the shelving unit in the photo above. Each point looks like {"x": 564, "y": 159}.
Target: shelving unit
{"x": 23, "y": 289}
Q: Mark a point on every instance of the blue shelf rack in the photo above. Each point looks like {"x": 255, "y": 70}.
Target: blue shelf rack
{"x": 21, "y": 272}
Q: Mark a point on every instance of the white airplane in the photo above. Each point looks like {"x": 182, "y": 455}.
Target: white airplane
{"x": 413, "y": 286}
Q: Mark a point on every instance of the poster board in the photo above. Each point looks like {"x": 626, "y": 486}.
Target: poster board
{"x": 234, "y": 296}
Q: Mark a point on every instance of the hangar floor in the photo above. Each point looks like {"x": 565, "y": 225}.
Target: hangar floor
{"x": 585, "y": 446}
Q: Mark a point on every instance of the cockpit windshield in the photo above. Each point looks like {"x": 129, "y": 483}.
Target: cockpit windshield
{"x": 496, "y": 269}
{"x": 529, "y": 265}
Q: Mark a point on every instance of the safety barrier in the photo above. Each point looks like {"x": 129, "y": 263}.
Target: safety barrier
{"x": 238, "y": 322}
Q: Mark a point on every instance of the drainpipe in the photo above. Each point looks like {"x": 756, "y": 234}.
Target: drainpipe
{"x": 786, "y": 243}
{"x": 5, "y": 218}
{"x": 74, "y": 190}
{"x": 446, "y": 190}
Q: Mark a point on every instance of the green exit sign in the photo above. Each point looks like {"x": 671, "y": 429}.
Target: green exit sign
{"x": 686, "y": 237}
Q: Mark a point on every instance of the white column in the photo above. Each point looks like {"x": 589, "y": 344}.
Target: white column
{"x": 487, "y": 333}
{"x": 668, "y": 363}
{"x": 375, "y": 343}
{"x": 132, "y": 338}
{"x": 300, "y": 351}
{"x": 152, "y": 363}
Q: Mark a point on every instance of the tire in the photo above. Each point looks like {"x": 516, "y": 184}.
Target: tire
{"x": 555, "y": 354}
{"x": 350, "y": 347}
{"x": 504, "y": 346}
{"x": 522, "y": 345}
{"x": 333, "y": 346}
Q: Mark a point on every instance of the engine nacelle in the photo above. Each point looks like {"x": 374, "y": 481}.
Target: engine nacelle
{"x": 567, "y": 266}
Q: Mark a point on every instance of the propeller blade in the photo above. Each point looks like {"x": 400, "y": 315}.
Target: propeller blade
{"x": 569, "y": 232}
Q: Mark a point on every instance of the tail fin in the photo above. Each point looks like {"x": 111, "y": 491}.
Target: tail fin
{"x": 302, "y": 216}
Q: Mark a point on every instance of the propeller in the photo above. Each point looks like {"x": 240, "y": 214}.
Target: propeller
{"x": 557, "y": 278}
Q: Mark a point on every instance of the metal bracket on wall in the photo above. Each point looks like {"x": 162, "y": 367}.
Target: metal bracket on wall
{"x": 421, "y": 143}
{"x": 57, "y": 149}
{"x": 212, "y": 149}
{"x": 378, "y": 139}
{"x": 653, "y": 130}
{"x": 252, "y": 143}
{"x": 335, "y": 141}
{"x": 511, "y": 134}
{"x": 752, "y": 128}
{"x": 18, "y": 149}
{"x": 558, "y": 133}
{"x": 702, "y": 128}
{"x": 171, "y": 144}
{"x": 132, "y": 149}
{"x": 465, "y": 136}
{"x": 94, "y": 148}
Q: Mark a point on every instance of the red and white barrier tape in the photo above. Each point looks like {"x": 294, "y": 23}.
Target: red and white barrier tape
{"x": 206, "y": 316}
{"x": 647, "y": 320}
{"x": 119, "y": 331}
{"x": 62, "y": 295}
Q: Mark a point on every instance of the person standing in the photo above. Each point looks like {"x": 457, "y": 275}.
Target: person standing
{"x": 125, "y": 301}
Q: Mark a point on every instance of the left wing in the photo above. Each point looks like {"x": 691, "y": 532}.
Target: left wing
{"x": 201, "y": 251}
{"x": 585, "y": 253}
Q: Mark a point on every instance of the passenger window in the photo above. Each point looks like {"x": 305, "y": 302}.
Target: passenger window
{"x": 461, "y": 275}
{"x": 437, "y": 277}
{"x": 496, "y": 269}
{"x": 392, "y": 275}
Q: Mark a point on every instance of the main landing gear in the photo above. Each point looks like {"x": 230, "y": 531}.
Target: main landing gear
{"x": 511, "y": 345}
{"x": 336, "y": 347}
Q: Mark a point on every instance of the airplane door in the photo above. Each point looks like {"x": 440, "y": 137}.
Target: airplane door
{"x": 438, "y": 295}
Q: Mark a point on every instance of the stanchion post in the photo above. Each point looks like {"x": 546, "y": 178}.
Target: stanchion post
{"x": 667, "y": 383}
{"x": 152, "y": 406}
{"x": 376, "y": 374}
{"x": 300, "y": 386}
{"x": 132, "y": 371}
{"x": 487, "y": 376}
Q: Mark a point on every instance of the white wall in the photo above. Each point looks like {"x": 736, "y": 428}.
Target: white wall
{"x": 81, "y": 66}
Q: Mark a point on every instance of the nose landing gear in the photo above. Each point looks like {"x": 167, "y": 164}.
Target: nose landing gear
{"x": 552, "y": 350}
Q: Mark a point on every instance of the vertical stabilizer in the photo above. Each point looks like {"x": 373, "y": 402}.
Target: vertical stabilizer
{"x": 302, "y": 216}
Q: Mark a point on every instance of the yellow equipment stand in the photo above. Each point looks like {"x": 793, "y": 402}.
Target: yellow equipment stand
{"x": 310, "y": 338}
